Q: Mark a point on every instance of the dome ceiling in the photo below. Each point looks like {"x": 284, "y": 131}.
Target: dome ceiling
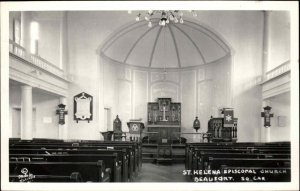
{"x": 173, "y": 46}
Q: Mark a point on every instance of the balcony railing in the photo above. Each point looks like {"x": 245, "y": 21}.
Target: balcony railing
{"x": 37, "y": 61}
{"x": 279, "y": 70}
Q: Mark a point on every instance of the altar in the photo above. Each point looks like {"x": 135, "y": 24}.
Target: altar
{"x": 164, "y": 120}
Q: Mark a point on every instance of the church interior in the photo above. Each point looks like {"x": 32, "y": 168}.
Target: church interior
{"x": 149, "y": 96}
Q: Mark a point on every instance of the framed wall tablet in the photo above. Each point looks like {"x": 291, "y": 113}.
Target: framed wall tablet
{"x": 83, "y": 107}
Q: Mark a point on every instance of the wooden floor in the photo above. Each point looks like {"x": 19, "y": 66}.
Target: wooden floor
{"x": 152, "y": 172}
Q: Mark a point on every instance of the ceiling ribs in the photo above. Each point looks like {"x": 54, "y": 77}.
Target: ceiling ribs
{"x": 120, "y": 35}
{"x": 176, "y": 47}
{"x": 113, "y": 35}
{"x": 154, "y": 46}
{"x": 200, "y": 53}
{"x": 211, "y": 35}
{"x": 136, "y": 42}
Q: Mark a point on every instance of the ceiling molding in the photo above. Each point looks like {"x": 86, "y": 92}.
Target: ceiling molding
{"x": 201, "y": 55}
{"x": 210, "y": 34}
{"x": 154, "y": 46}
{"x": 176, "y": 47}
{"x": 189, "y": 29}
{"x": 136, "y": 42}
{"x": 121, "y": 34}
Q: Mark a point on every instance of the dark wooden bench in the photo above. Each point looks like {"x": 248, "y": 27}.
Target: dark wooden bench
{"x": 126, "y": 156}
{"x": 73, "y": 177}
{"x": 135, "y": 150}
{"x": 222, "y": 156}
{"x": 216, "y": 163}
{"x": 116, "y": 160}
{"x": 262, "y": 174}
{"x": 89, "y": 171}
{"x": 200, "y": 161}
{"x": 194, "y": 151}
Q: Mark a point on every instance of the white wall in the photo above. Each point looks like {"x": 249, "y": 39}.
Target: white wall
{"x": 242, "y": 30}
{"x": 45, "y": 105}
{"x": 49, "y": 42}
{"x": 86, "y": 30}
{"x": 201, "y": 91}
{"x": 50, "y": 29}
{"x": 46, "y": 118}
{"x": 280, "y": 107}
{"x": 279, "y": 38}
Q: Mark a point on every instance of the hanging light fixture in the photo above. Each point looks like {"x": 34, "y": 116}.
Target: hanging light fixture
{"x": 164, "y": 16}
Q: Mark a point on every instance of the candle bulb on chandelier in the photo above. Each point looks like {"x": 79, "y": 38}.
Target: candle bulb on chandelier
{"x": 138, "y": 17}
{"x": 194, "y": 13}
{"x": 181, "y": 20}
{"x": 166, "y": 16}
{"x": 175, "y": 20}
{"x": 146, "y": 18}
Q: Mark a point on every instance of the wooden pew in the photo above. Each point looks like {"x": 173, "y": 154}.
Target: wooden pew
{"x": 133, "y": 150}
{"x": 246, "y": 151}
{"x": 262, "y": 174}
{"x": 202, "y": 159}
{"x": 73, "y": 177}
{"x": 89, "y": 171}
{"x": 258, "y": 149}
{"x": 252, "y": 163}
{"x": 216, "y": 163}
{"x": 115, "y": 160}
{"x": 196, "y": 155}
{"x": 126, "y": 156}
{"x": 136, "y": 148}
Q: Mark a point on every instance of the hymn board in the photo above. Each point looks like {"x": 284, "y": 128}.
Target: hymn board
{"x": 164, "y": 117}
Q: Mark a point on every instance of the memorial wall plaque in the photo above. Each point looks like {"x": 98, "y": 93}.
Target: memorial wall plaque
{"x": 83, "y": 107}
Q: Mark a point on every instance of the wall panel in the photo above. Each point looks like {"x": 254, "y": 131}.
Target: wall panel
{"x": 188, "y": 100}
{"x": 140, "y": 94}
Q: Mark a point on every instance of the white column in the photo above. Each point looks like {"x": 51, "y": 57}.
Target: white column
{"x": 265, "y": 57}
{"x": 101, "y": 113}
{"x": 265, "y": 132}
{"x": 64, "y": 43}
{"x": 63, "y": 129}
{"x": 26, "y": 113}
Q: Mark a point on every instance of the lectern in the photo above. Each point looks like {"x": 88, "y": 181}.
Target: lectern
{"x": 135, "y": 130}
{"x": 117, "y": 126}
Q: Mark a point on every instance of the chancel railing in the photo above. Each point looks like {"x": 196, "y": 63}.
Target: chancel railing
{"x": 149, "y": 137}
{"x": 37, "y": 61}
{"x": 183, "y": 138}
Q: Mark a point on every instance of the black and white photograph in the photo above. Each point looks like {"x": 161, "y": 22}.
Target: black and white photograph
{"x": 168, "y": 95}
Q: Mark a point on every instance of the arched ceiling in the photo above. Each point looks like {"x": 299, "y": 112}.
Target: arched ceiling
{"x": 173, "y": 46}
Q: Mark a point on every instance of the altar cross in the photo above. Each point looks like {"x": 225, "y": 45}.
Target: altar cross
{"x": 164, "y": 113}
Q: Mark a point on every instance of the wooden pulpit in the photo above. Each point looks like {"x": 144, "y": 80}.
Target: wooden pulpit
{"x": 135, "y": 130}
{"x": 223, "y": 129}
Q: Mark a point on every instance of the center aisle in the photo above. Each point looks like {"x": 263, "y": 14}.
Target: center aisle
{"x": 161, "y": 173}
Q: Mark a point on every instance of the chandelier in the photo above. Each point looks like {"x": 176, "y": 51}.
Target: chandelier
{"x": 164, "y": 16}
